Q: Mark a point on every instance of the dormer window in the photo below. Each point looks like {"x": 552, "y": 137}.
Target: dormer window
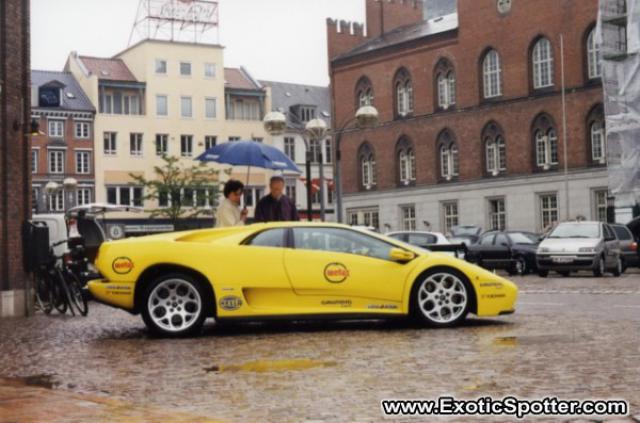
{"x": 50, "y": 96}
{"x": 307, "y": 113}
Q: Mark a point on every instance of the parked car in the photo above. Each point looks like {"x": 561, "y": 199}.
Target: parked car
{"x": 576, "y": 246}
{"x": 513, "y": 251}
{"x": 628, "y": 246}
{"x": 433, "y": 241}
{"x": 465, "y": 234}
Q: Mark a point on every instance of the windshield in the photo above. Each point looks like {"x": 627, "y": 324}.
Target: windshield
{"x": 521, "y": 238}
{"x": 576, "y": 230}
{"x": 464, "y": 230}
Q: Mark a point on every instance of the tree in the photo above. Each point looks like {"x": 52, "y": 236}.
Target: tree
{"x": 180, "y": 191}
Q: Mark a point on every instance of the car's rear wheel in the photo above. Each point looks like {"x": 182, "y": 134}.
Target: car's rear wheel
{"x": 600, "y": 268}
{"x": 565, "y": 273}
{"x": 619, "y": 269}
{"x": 519, "y": 267}
{"x": 173, "y": 306}
{"x": 543, "y": 273}
{"x": 441, "y": 298}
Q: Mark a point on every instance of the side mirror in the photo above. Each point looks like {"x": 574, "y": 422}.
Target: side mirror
{"x": 400, "y": 255}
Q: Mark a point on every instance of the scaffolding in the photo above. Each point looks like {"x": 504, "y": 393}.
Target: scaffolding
{"x": 191, "y": 21}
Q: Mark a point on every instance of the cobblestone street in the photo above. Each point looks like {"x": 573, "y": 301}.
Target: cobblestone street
{"x": 570, "y": 338}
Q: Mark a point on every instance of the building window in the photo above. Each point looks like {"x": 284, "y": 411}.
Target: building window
{"x": 135, "y": 144}
{"x": 495, "y": 149}
{"x": 315, "y": 149}
{"x": 161, "y": 67}
{"x": 307, "y": 113}
{"x": 406, "y": 161}
{"x": 83, "y": 160}
{"x": 125, "y": 196}
{"x": 497, "y": 215}
{"x": 290, "y": 147}
{"x": 185, "y": 68}
{"x": 34, "y": 161}
{"x": 83, "y": 196}
{"x": 408, "y": 218}
{"x": 364, "y": 217}
{"x": 600, "y": 204}
{"x": 364, "y": 93}
{"x": 546, "y": 142}
{"x": 186, "y": 107}
{"x": 290, "y": 190}
{"x": 492, "y": 74}
{"x": 245, "y": 109}
{"x": 594, "y": 63}
{"x": 445, "y": 84}
{"x": 597, "y": 135}
{"x": 210, "y": 108}
{"x": 82, "y": 130}
{"x": 367, "y": 160}
{"x": 162, "y": 144}
{"x": 315, "y": 197}
{"x": 448, "y": 154}
{"x": 110, "y": 145}
{"x": 257, "y": 139}
{"x": 209, "y": 70}
{"x": 56, "y": 201}
{"x": 56, "y": 161}
{"x": 548, "y": 210}
{"x": 162, "y": 105}
{"x": 233, "y": 139}
{"x": 210, "y": 141}
{"x": 542, "y": 62}
{"x": 186, "y": 145}
{"x": 56, "y": 129}
{"x": 404, "y": 93}
{"x": 450, "y": 213}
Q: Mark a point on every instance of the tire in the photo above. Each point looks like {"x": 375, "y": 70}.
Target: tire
{"x": 600, "y": 268}
{"x": 42, "y": 291}
{"x": 543, "y": 273}
{"x": 565, "y": 273}
{"x": 58, "y": 294}
{"x": 77, "y": 298}
{"x": 618, "y": 270}
{"x": 441, "y": 298}
{"x": 519, "y": 267}
{"x": 173, "y": 305}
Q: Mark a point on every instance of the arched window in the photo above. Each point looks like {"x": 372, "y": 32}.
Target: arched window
{"x": 448, "y": 155}
{"x": 542, "y": 62}
{"x": 546, "y": 142}
{"x": 406, "y": 162}
{"x": 492, "y": 74}
{"x": 597, "y": 135}
{"x": 404, "y": 93}
{"x": 364, "y": 93}
{"x": 495, "y": 149}
{"x": 594, "y": 65}
{"x": 445, "y": 84}
{"x": 367, "y": 162}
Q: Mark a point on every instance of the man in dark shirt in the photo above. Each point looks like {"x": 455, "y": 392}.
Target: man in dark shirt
{"x": 276, "y": 207}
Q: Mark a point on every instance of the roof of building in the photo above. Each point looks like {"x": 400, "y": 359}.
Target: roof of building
{"x": 108, "y": 69}
{"x": 73, "y": 97}
{"x": 239, "y": 78}
{"x": 284, "y": 95}
{"x": 407, "y": 33}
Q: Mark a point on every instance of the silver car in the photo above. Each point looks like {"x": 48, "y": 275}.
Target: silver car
{"x": 575, "y": 246}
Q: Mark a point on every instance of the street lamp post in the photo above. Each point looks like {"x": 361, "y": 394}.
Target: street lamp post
{"x": 317, "y": 130}
{"x": 70, "y": 185}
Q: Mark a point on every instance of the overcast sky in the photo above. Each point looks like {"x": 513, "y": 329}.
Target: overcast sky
{"x": 281, "y": 40}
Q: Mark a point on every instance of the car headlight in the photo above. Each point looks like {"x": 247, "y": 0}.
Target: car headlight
{"x": 544, "y": 250}
{"x": 587, "y": 250}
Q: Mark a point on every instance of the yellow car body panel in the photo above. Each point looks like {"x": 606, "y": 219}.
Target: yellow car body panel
{"x": 252, "y": 281}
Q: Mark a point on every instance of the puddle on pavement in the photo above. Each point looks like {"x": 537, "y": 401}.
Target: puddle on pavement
{"x": 514, "y": 341}
{"x": 43, "y": 381}
{"x": 266, "y": 366}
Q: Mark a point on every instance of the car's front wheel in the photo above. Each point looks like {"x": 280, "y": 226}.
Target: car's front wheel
{"x": 600, "y": 268}
{"x": 173, "y": 306}
{"x": 519, "y": 267}
{"x": 441, "y": 298}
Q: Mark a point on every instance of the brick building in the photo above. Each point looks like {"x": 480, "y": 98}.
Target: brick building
{"x": 15, "y": 181}
{"x": 471, "y": 114}
{"x": 64, "y": 148}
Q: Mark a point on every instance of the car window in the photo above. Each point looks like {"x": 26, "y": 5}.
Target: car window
{"x": 270, "y": 238}
{"x": 622, "y": 233}
{"x": 422, "y": 239}
{"x": 520, "y": 238}
{"x": 576, "y": 230}
{"x": 487, "y": 239}
{"x": 502, "y": 239}
{"x": 608, "y": 233}
{"x": 399, "y": 237}
{"x": 340, "y": 241}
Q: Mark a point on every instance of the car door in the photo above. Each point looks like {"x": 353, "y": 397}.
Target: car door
{"x": 611, "y": 246}
{"x": 482, "y": 250}
{"x": 501, "y": 251}
{"x": 341, "y": 267}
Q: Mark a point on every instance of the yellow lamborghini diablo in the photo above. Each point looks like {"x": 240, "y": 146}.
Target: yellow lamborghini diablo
{"x": 291, "y": 270}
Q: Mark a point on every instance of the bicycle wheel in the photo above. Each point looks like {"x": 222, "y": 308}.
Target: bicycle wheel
{"x": 78, "y": 300}
{"x": 42, "y": 291}
{"x": 60, "y": 296}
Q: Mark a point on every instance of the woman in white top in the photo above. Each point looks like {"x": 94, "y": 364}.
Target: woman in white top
{"x": 229, "y": 213}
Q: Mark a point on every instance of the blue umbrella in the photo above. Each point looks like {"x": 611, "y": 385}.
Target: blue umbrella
{"x": 251, "y": 154}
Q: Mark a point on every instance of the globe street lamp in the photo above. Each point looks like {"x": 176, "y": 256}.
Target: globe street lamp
{"x": 366, "y": 117}
{"x": 317, "y": 130}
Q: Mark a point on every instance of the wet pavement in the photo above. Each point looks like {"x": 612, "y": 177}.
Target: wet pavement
{"x": 570, "y": 338}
